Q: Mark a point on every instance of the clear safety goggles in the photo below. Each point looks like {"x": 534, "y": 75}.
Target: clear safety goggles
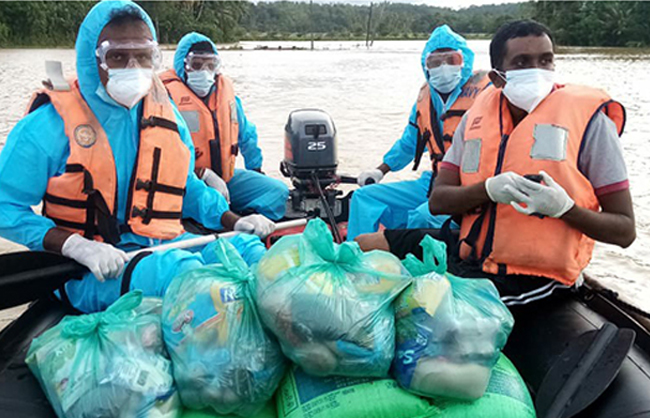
{"x": 203, "y": 62}
{"x": 436, "y": 59}
{"x": 114, "y": 55}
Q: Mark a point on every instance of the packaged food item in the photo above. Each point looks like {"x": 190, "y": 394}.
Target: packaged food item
{"x": 450, "y": 331}
{"x": 107, "y": 364}
{"x": 329, "y": 304}
{"x": 222, "y": 357}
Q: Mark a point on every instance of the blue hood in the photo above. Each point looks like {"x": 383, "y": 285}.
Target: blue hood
{"x": 444, "y": 37}
{"x": 183, "y": 48}
{"x": 89, "y": 32}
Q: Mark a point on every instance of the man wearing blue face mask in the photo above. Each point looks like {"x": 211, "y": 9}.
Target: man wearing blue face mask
{"x": 112, "y": 160}
{"x": 219, "y": 128}
{"x": 449, "y": 91}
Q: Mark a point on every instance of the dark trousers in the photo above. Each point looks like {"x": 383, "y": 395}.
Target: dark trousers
{"x": 517, "y": 291}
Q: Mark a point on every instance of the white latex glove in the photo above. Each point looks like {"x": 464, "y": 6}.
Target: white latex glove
{"x": 496, "y": 187}
{"x": 375, "y": 175}
{"x": 213, "y": 180}
{"x": 103, "y": 260}
{"x": 549, "y": 199}
{"x": 255, "y": 224}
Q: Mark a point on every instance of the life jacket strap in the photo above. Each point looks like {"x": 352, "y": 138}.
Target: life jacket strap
{"x": 153, "y": 121}
{"x": 128, "y": 271}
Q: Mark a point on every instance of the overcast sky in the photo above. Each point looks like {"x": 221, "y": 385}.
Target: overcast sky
{"x": 455, "y": 4}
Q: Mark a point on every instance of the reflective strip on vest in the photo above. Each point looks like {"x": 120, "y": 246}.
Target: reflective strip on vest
{"x": 429, "y": 134}
{"x": 83, "y": 198}
{"x": 503, "y": 240}
{"x": 215, "y": 144}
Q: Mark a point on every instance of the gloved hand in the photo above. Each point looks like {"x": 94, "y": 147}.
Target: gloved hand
{"x": 549, "y": 200}
{"x": 213, "y": 180}
{"x": 496, "y": 187}
{"x": 375, "y": 175}
{"x": 103, "y": 260}
{"x": 255, "y": 224}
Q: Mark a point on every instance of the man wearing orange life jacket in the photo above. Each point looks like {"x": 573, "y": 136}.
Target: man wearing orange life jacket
{"x": 220, "y": 129}
{"x": 111, "y": 158}
{"x": 535, "y": 174}
{"x": 450, "y": 89}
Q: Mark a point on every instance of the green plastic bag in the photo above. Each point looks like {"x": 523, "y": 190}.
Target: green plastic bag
{"x": 330, "y": 305}
{"x": 304, "y": 396}
{"x": 222, "y": 357}
{"x": 107, "y": 364}
{"x": 450, "y": 331}
{"x": 267, "y": 412}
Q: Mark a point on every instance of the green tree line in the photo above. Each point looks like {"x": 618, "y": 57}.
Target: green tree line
{"x": 588, "y": 23}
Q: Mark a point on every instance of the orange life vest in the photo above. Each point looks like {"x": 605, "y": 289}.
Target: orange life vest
{"x": 84, "y": 198}
{"x": 429, "y": 134}
{"x": 501, "y": 239}
{"x": 214, "y": 126}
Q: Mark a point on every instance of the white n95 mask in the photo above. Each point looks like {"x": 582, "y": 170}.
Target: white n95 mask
{"x": 527, "y": 88}
{"x": 128, "y": 86}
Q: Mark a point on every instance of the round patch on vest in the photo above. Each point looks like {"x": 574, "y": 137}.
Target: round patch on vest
{"x": 85, "y": 136}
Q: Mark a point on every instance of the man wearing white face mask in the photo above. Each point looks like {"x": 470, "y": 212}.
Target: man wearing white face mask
{"x": 112, "y": 160}
{"x": 536, "y": 172}
{"x": 450, "y": 89}
{"x": 220, "y": 129}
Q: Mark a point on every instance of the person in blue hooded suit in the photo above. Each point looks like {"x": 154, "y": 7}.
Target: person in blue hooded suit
{"x": 116, "y": 52}
{"x": 220, "y": 129}
{"x": 451, "y": 87}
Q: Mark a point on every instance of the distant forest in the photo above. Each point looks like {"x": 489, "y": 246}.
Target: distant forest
{"x": 576, "y": 23}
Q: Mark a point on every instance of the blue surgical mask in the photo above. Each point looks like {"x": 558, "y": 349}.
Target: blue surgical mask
{"x": 445, "y": 78}
{"x": 200, "y": 82}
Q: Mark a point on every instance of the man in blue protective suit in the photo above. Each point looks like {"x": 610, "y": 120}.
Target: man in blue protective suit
{"x": 111, "y": 158}
{"x": 219, "y": 128}
{"x": 449, "y": 91}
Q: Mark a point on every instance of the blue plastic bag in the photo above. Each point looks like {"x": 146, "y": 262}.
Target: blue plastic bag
{"x": 450, "y": 331}
{"x": 107, "y": 364}
{"x": 222, "y": 357}
{"x": 330, "y": 305}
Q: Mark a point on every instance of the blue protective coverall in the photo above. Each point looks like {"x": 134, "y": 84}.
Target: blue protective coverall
{"x": 37, "y": 149}
{"x": 249, "y": 190}
{"x": 405, "y": 204}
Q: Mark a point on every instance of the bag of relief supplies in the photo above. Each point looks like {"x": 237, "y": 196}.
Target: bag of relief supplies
{"x": 329, "y": 304}
{"x": 450, "y": 331}
{"x": 222, "y": 358}
{"x": 107, "y": 364}
{"x": 305, "y": 396}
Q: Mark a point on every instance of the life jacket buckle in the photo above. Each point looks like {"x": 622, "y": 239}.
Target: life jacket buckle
{"x": 143, "y": 185}
{"x": 147, "y": 122}
{"x": 139, "y": 213}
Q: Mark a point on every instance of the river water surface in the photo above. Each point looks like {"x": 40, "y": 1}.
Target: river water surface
{"x": 369, "y": 93}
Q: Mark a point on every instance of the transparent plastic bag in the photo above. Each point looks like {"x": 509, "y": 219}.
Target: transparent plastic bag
{"x": 329, "y": 304}
{"x": 107, "y": 364}
{"x": 222, "y": 357}
{"x": 450, "y": 331}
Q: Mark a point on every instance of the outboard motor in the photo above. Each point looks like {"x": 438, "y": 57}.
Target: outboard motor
{"x": 309, "y": 148}
{"x": 310, "y": 161}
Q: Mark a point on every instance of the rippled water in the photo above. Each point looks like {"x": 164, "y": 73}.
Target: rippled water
{"x": 369, "y": 94}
